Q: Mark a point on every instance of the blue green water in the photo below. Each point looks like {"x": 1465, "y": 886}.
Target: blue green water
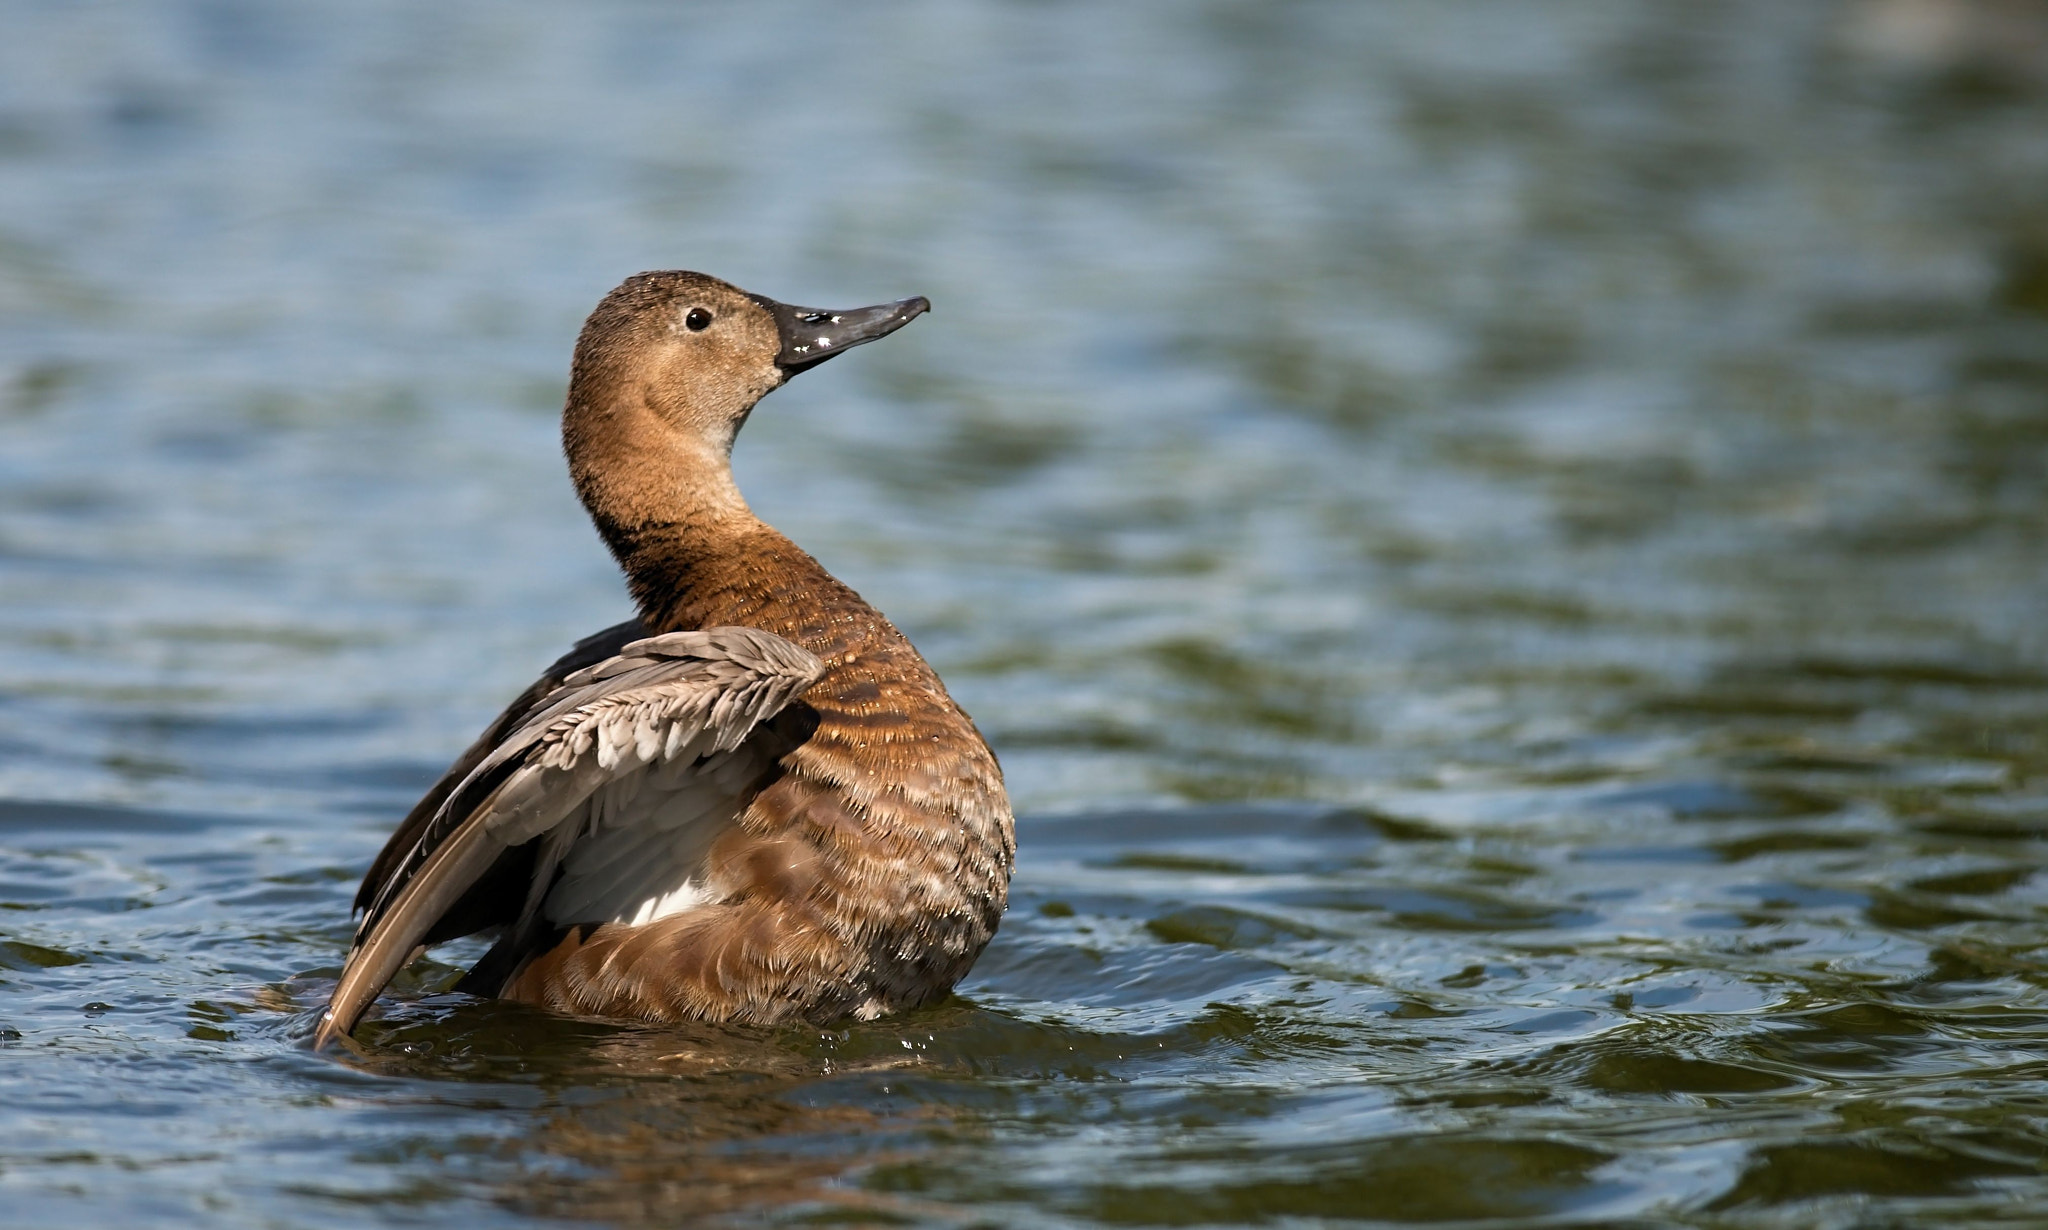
{"x": 1503, "y": 548}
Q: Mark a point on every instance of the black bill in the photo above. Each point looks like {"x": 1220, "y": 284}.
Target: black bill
{"x": 812, "y": 335}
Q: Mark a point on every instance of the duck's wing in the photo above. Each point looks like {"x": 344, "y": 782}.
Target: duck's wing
{"x": 686, "y": 700}
{"x": 587, "y": 652}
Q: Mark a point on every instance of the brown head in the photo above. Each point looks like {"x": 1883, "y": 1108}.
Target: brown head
{"x": 667, "y": 369}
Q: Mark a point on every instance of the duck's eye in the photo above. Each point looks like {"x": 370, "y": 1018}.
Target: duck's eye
{"x": 698, "y": 320}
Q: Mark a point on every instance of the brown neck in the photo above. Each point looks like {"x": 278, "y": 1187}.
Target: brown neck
{"x": 694, "y": 554}
{"x": 682, "y": 577}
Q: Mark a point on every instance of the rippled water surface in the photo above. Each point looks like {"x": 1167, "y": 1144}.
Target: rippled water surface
{"x": 1504, "y": 549}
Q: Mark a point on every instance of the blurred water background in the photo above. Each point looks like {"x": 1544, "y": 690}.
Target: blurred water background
{"x": 1501, "y": 546}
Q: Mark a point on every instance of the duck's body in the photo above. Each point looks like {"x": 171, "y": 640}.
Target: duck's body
{"x": 754, "y": 802}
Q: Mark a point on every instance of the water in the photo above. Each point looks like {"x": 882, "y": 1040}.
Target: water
{"x": 1501, "y": 547}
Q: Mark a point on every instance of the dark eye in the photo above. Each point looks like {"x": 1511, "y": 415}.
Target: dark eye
{"x": 698, "y": 320}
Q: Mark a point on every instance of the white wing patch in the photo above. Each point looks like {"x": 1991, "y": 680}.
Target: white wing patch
{"x": 640, "y": 852}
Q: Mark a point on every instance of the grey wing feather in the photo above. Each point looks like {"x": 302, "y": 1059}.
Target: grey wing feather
{"x": 709, "y": 657}
{"x": 662, "y": 698}
{"x": 392, "y": 862}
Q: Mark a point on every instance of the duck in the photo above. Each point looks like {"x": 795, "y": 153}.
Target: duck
{"x": 754, "y": 802}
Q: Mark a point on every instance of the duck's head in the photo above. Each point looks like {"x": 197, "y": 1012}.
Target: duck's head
{"x": 698, "y": 353}
{"x": 667, "y": 369}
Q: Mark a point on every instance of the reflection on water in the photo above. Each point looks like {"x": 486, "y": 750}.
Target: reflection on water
{"x": 1501, "y": 547}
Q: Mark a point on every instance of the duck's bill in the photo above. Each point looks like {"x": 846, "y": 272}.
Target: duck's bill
{"x": 812, "y": 335}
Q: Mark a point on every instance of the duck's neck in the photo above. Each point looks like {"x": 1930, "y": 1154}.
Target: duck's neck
{"x": 694, "y": 554}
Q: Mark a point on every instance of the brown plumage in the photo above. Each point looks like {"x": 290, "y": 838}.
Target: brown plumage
{"x": 755, "y": 801}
